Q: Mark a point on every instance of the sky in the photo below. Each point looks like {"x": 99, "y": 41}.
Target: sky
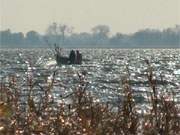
{"x": 125, "y": 16}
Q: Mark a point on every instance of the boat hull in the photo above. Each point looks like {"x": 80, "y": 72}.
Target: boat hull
{"x": 62, "y": 60}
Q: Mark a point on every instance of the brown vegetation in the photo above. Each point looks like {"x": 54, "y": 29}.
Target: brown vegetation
{"x": 85, "y": 116}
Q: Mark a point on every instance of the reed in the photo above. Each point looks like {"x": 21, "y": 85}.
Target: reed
{"x": 84, "y": 115}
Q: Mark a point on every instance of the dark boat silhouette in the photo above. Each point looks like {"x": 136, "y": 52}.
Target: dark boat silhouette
{"x": 64, "y": 60}
{"x": 60, "y": 59}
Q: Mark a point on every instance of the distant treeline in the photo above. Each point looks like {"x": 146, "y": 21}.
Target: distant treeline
{"x": 98, "y": 37}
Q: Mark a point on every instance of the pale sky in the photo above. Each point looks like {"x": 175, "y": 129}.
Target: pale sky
{"x": 124, "y": 16}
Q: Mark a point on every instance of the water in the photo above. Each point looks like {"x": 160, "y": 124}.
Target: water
{"x": 104, "y": 70}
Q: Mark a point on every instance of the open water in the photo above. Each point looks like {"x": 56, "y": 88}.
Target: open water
{"x": 104, "y": 69}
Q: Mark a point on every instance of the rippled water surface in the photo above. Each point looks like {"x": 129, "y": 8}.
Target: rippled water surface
{"x": 104, "y": 69}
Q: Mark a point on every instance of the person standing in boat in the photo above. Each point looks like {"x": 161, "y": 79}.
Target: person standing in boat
{"x": 72, "y": 57}
{"x": 78, "y": 57}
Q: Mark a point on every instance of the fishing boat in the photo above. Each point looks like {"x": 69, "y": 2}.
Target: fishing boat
{"x": 62, "y": 60}
{"x": 74, "y": 57}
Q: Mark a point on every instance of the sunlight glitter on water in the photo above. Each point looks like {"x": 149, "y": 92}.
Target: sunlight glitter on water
{"x": 104, "y": 70}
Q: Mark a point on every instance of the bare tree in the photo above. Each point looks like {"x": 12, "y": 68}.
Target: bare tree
{"x": 102, "y": 30}
{"x": 58, "y": 32}
{"x": 100, "y": 34}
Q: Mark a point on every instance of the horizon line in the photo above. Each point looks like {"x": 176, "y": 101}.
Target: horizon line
{"x": 111, "y": 33}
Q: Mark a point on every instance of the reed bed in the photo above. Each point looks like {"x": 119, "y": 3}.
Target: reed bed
{"x": 85, "y": 116}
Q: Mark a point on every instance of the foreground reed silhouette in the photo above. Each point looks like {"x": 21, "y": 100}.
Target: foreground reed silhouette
{"x": 85, "y": 116}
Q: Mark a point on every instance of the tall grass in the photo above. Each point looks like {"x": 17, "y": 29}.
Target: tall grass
{"x": 84, "y": 116}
